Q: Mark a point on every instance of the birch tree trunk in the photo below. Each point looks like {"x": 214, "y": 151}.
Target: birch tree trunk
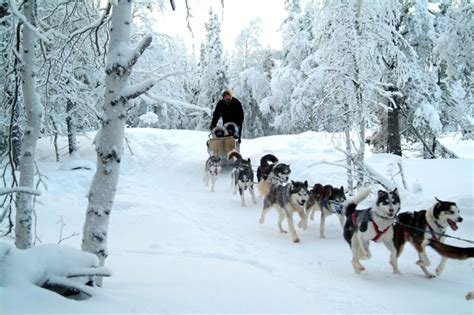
{"x": 347, "y": 135}
{"x": 109, "y": 139}
{"x": 359, "y": 160}
{"x": 34, "y": 117}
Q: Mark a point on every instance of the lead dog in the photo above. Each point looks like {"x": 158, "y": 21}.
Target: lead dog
{"x": 426, "y": 223}
{"x": 327, "y": 199}
{"x": 271, "y": 172}
{"x": 287, "y": 200}
{"x": 212, "y": 170}
{"x": 372, "y": 224}
{"x": 242, "y": 176}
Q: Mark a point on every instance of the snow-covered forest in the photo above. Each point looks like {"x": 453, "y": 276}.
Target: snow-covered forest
{"x": 104, "y": 119}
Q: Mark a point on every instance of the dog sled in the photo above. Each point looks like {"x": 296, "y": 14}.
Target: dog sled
{"x": 223, "y": 140}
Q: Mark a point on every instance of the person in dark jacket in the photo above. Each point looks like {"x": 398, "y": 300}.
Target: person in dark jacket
{"x": 230, "y": 110}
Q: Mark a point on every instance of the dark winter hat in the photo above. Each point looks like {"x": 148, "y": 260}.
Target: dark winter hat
{"x": 227, "y": 91}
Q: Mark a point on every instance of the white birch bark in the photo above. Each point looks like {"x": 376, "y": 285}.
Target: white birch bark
{"x": 34, "y": 119}
{"x": 109, "y": 139}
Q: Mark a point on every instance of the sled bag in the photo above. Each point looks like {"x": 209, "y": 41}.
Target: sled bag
{"x": 221, "y": 146}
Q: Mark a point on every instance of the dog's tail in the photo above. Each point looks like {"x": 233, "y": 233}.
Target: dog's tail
{"x": 234, "y": 154}
{"x": 351, "y": 206}
{"x": 264, "y": 161}
{"x": 452, "y": 252}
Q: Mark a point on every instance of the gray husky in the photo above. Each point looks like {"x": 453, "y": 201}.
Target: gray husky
{"x": 286, "y": 200}
{"x": 212, "y": 170}
{"x": 372, "y": 224}
{"x": 242, "y": 176}
{"x": 327, "y": 199}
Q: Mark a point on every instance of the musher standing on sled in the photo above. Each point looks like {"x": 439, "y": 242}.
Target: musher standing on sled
{"x": 230, "y": 109}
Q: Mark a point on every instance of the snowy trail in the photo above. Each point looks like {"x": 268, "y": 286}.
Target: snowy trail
{"x": 176, "y": 247}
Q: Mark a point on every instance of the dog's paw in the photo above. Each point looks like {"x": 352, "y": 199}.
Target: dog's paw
{"x": 430, "y": 276}
{"x": 396, "y": 272}
{"x": 283, "y": 231}
{"x": 470, "y": 296}
{"x": 439, "y": 271}
{"x": 296, "y": 240}
{"x": 358, "y": 268}
{"x": 261, "y": 221}
{"x": 423, "y": 263}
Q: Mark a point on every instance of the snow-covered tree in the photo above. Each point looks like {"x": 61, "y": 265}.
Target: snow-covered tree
{"x": 121, "y": 58}
{"x": 455, "y": 65}
{"x": 249, "y": 79}
{"x": 34, "y": 117}
{"x": 296, "y": 35}
{"x": 212, "y": 78}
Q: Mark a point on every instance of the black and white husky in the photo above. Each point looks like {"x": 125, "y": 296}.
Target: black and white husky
{"x": 212, "y": 170}
{"x": 287, "y": 200}
{"x": 422, "y": 228}
{"x": 271, "y": 172}
{"x": 372, "y": 224}
{"x": 327, "y": 199}
{"x": 241, "y": 176}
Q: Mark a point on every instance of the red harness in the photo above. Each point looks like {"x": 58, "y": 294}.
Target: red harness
{"x": 378, "y": 233}
{"x": 433, "y": 235}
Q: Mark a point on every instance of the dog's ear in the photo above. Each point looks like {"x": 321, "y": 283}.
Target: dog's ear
{"x": 439, "y": 201}
{"x": 305, "y": 184}
{"x": 248, "y": 160}
{"x": 292, "y": 183}
{"x": 395, "y": 191}
{"x": 342, "y": 189}
{"x": 380, "y": 193}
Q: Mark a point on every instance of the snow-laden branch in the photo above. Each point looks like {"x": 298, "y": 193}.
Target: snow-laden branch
{"x": 26, "y": 190}
{"x": 89, "y": 272}
{"x": 97, "y": 23}
{"x": 176, "y": 103}
{"x": 139, "y": 49}
{"x": 25, "y": 22}
{"x": 133, "y": 91}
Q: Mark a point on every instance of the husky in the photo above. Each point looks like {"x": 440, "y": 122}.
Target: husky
{"x": 327, "y": 199}
{"x": 425, "y": 224}
{"x": 241, "y": 176}
{"x": 212, "y": 170}
{"x": 270, "y": 174}
{"x": 453, "y": 252}
{"x": 375, "y": 223}
{"x": 286, "y": 200}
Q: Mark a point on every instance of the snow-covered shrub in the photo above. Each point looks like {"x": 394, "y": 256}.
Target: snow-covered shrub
{"x": 59, "y": 268}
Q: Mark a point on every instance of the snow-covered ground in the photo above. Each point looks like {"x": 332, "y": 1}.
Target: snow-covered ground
{"x": 176, "y": 247}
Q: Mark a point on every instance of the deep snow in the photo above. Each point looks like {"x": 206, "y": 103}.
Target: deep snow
{"x": 176, "y": 247}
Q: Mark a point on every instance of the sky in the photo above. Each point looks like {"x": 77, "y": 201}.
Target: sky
{"x": 236, "y": 14}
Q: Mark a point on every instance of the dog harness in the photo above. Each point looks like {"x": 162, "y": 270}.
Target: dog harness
{"x": 378, "y": 233}
{"x": 433, "y": 234}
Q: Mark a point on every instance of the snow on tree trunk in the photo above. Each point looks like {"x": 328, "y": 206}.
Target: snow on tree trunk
{"x": 109, "y": 139}
{"x": 34, "y": 117}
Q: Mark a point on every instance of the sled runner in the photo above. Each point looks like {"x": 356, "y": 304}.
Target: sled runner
{"x": 223, "y": 139}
